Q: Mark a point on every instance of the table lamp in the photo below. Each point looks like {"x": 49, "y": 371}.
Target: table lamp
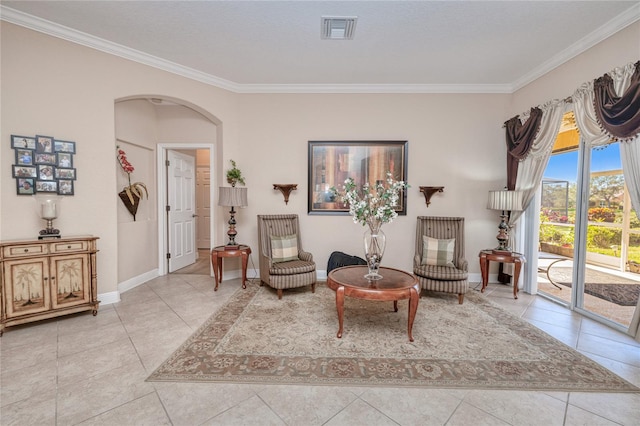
{"x": 506, "y": 202}
{"x": 232, "y": 197}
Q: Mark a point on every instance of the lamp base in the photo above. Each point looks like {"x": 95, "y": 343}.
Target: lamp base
{"x": 47, "y": 237}
{"x": 499, "y": 250}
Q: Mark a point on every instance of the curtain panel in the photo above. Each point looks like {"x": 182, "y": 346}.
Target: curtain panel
{"x": 609, "y": 108}
{"x": 520, "y": 138}
{"x": 618, "y": 115}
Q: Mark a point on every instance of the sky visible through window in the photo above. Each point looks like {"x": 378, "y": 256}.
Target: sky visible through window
{"x": 565, "y": 166}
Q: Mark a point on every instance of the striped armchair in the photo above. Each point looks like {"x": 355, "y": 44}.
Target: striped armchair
{"x": 283, "y": 262}
{"x": 451, "y": 277}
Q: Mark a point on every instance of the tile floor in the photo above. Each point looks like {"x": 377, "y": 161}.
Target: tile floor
{"x": 91, "y": 371}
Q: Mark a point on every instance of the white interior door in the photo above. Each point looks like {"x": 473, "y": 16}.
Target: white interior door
{"x": 203, "y": 207}
{"x": 182, "y": 210}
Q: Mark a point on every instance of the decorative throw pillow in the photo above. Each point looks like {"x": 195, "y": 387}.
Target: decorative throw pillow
{"x": 284, "y": 248}
{"x": 437, "y": 252}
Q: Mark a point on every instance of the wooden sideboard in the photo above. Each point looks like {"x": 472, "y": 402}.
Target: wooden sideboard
{"x": 42, "y": 279}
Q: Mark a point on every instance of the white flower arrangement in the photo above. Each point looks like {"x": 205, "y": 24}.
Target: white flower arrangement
{"x": 372, "y": 205}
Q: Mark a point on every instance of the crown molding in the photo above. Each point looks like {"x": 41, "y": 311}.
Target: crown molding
{"x": 618, "y": 23}
{"x": 56, "y": 30}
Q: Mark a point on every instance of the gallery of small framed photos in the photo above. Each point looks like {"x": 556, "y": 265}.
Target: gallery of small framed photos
{"x": 43, "y": 164}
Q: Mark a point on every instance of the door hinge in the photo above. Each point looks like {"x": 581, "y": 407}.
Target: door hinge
{"x": 168, "y": 255}
{"x": 167, "y": 163}
{"x": 168, "y": 208}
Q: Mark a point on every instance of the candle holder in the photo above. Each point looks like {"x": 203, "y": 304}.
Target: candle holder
{"x": 49, "y": 212}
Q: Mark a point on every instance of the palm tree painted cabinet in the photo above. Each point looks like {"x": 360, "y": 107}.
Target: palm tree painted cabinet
{"x": 42, "y": 279}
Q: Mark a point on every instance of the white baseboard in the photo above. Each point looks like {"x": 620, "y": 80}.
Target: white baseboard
{"x": 114, "y": 296}
{"x": 109, "y": 298}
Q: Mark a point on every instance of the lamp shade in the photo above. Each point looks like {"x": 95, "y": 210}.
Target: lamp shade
{"x": 230, "y": 196}
{"x": 505, "y": 200}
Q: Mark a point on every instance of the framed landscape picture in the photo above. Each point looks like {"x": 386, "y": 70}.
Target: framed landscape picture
{"x": 332, "y": 162}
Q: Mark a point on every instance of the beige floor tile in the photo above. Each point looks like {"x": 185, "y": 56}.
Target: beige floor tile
{"x": 140, "y": 294}
{"x": 622, "y": 408}
{"x": 85, "y": 339}
{"x": 519, "y": 408}
{"x": 466, "y": 415}
{"x": 35, "y": 333}
{"x": 413, "y": 406}
{"x": 559, "y": 319}
{"x": 19, "y": 357}
{"x": 82, "y": 400}
{"x": 360, "y": 413}
{"x": 306, "y": 405}
{"x": 629, "y": 354}
{"x": 24, "y": 383}
{"x": 85, "y": 321}
{"x": 195, "y": 403}
{"x": 96, "y": 361}
{"x": 38, "y": 410}
{"x": 626, "y": 371}
{"x": 144, "y": 411}
{"x": 250, "y": 412}
{"x": 579, "y": 417}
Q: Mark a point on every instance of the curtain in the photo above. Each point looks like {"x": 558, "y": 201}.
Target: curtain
{"x": 531, "y": 168}
{"x": 619, "y": 116}
{"x": 615, "y": 109}
{"x": 520, "y": 139}
{"x": 525, "y": 174}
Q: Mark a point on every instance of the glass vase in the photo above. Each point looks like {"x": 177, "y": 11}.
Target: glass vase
{"x": 374, "y": 243}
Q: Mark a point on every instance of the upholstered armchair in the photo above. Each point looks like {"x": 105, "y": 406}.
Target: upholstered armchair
{"x": 283, "y": 262}
{"x": 439, "y": 261}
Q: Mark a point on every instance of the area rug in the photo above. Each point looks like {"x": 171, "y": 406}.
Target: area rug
{"x": 256, "y": 338}
{"x": 614, "y": 289}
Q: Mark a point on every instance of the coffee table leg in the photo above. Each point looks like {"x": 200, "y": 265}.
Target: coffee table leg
{"x": 414, "y": 297}
{"x": 340, "y": 308}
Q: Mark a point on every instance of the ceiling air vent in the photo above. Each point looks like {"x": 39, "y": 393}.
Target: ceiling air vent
{"x": 338, "y": 27}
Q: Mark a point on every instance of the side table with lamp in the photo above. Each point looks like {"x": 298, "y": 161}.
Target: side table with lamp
{"x": 504, "y": 201}
{"x": 231, "y": 197}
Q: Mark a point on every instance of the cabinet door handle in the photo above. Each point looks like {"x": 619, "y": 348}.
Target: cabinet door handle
{"x": 45, "y": 278}
{"x": 53, "y": 278}
{"x": 26, "y": 250}
{"x": 69, "y": 247}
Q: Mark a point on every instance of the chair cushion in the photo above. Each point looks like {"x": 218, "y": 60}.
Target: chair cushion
{"x": 284, "y": 248}
{"x": 440, "y": 272}
{"x": 437, "y": 252}
{"x": 292, "y": 267}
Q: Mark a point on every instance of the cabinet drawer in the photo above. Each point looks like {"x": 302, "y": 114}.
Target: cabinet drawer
{"x": 26, "y": 250}
{"x": 69, "y": 246}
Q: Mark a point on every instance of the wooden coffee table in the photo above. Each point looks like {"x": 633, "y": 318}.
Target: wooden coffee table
{"x": 393, "y": 286}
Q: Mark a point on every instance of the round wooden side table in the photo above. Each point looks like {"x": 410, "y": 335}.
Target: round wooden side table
{"x": 220, "y": 252}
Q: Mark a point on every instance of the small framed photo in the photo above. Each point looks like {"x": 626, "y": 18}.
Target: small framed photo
{"x": 68, "y": 174}
{"x": 42, "y": 158}
{"x": 46, "y": 186}
{"x": 65, "y": 187}
{"x": 25, "y": 171}
{"x": 26, "y": 186}
{"x": 24, "y": 157}
{"x": 26, "y": 142}
{"x": 45, "y": 172}
{"x": 65, "y": 160}
{"x": 44, "y": 144}
{"x": 64, "y": 146}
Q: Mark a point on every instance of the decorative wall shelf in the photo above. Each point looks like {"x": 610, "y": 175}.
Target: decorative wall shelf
{"x": 286, "y": 189}
{"x": 428, "y": 191}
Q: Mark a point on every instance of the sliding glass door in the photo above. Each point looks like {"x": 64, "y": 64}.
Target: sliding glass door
{"x": 589, "y": 235}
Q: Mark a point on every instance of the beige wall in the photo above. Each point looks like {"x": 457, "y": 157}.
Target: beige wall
{"x": 53, "y": 87}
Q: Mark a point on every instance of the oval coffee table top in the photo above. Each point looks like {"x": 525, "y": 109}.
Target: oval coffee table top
{"x": 353, "y": 277}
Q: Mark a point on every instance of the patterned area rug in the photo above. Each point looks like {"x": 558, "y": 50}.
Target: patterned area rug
{"x": 618, "y": 290}
{"x": 256, "y": 338}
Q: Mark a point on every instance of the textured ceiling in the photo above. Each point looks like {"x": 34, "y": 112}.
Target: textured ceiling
{"x": 470, "y": 45}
